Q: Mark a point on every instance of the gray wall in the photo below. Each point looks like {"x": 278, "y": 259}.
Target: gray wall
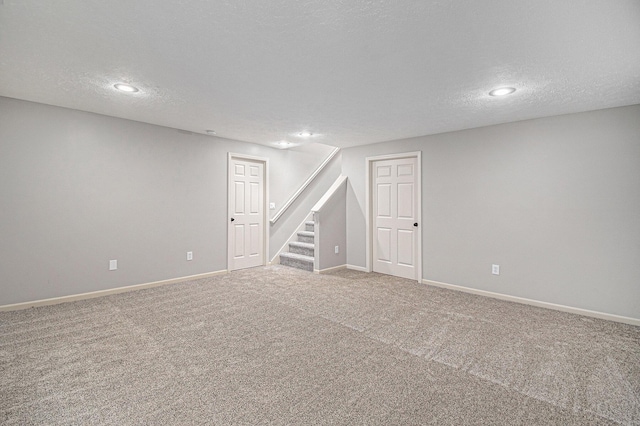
{"x": 290, "y": 168}
{"x": 78, "y": 189}
{"x": 331, "y": 228}
{"x": 554, "y": 201}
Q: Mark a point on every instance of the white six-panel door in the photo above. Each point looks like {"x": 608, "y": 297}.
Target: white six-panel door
{"x": 394, "y": 193}
{"x": 246, "y": 211}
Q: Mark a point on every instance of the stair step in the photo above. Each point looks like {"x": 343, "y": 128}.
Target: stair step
{"x": 309, "y": 225}
{"x": 302, "y": 248}
{"x": 306, "y": 236}
{"x": 295, "y": 260}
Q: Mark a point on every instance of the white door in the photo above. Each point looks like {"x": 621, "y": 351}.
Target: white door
{"x": 246, "y": 214}
{"x": 395, "y": 208}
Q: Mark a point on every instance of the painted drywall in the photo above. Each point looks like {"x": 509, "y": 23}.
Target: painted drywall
{"x": 554, "y": 201}
{"x": 78, "y": 189}
{"x": 331, "y": 230}
{"x": 291, "y": 168}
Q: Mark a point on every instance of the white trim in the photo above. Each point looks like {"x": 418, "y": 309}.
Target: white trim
{"x": 107, "y": 292}
{"x": 304, "y": 186}
{"x": 293, "y": 237}
{"x": 369, "y": 211}
{"x": 316, "y": 239}
{"x": 357, "y": 268}
{"x": 330, "y": 192}
{"x": 538, "y": 303}
{"x": 327, "y": 270}
{"x": 265, "y": 202}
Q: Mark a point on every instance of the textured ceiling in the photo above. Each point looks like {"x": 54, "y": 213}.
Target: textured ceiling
{"x": 350, "y": 71}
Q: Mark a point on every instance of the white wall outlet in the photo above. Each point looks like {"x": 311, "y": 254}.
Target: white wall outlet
{"x": 337, "y": 249}
{"x": 272, "y": 206}
{"x": 189, "y": 255}
{"x": 113, "y": 265}
{"x": 495, "y": 269}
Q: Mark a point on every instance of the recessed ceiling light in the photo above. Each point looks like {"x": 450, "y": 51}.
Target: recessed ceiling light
{"x": 502, "y": 91}
{"x": 305, "y": 134}
{"x": 211, "y": 132}
{"x": 123, "y": 87}
{"x": 283, "y": 144}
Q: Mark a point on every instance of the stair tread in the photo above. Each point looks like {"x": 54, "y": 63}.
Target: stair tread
{"x": 297, "y": 256}
{"x": 301, "y": 244}
{"x": 309, "y": 222}
{"x": 306, "y": 233}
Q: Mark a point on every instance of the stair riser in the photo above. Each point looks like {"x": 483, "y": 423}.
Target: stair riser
{"x": 295, "y": 263}
{"x": 308, "y": 227}
{"x": 305, "y": 239}
{"x": 301, "y": 250}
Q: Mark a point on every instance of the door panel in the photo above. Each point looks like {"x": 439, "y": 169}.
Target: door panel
{"x": 405, "y": 170}
{"x": 239, "y": 197}
{"x": 254, "y": 229}
{"x": 255, "y": 198}
{"x": 239, "y": 240}
{"x": 394, "y": 214}
{"x": 384, "y": 245}
{"x": 405, "y": 201}
{"x": 383, "y": 171}
{"x": 405, "y": 247}
{"x": 246, "y": 242}
{"x": 384, "y": 200}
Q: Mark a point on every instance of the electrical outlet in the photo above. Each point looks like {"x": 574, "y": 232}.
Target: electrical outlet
{"x": 189, "y": 255}
{"x": 337, "y": 249}
{"x": 113, "y": 265}
{"x": 495, "y": 269}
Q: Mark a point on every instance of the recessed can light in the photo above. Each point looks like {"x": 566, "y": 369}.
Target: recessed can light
{"x": 211, "y": 132}
{"x": 283, "y": 144}
{"x": 502, "y": 91}
{"x": 305, "y": 134}
{"x": 123, "y": 87}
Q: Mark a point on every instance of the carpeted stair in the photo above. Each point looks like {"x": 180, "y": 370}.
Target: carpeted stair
{"x": 300, "y": 254}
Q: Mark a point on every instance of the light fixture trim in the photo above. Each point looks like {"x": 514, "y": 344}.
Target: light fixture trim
{"x": 502, "y": 91}
{"x": 125, "y": 87}
{"x": 305, "y": 134}
{"x": 210, "y": 132}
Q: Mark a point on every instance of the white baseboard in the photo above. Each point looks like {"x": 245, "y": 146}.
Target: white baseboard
{"x": 100, "y": 293}
{"x": 357, "y": 268}
{"x": 327, "y": 270}
{"x": 540, "y": 304}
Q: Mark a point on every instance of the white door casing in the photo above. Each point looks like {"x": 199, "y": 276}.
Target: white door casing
{"x": 394, "y": 212}
{"x": 247, "y": 239}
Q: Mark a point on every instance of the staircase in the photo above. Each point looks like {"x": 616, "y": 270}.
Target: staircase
{"x": 301, "y": 252}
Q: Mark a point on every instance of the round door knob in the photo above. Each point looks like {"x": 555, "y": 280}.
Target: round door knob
{"x": 415, "y": 224}
{"x": 232, "y": 219}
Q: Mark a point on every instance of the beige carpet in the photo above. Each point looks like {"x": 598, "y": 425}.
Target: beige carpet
{"x": 281, "y": 346}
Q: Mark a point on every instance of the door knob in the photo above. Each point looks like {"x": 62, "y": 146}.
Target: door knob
{"x": 415, "y": 224}
{"x": 232, "y": 219}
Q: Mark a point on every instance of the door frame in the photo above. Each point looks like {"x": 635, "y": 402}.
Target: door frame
{"x": 369, "y": 207}
{"x": 265, "y": 201}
